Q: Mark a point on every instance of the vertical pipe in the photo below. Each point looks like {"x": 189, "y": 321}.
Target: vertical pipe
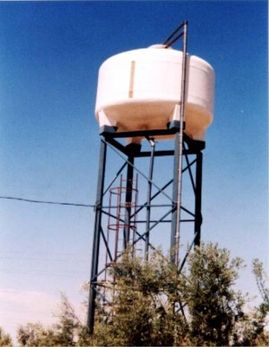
{"x": 150, "y": 176}
{"x": 108, "y": 232}
{"x": 198, "y": 199}
{"x": 177, "y": 183}
{"x": 118, "y": 223}
{"x": 128, "y": 200}
{"x": 173, "y": 250}
{"x": 96, "y": 237}
{"x": 134, "y": 216}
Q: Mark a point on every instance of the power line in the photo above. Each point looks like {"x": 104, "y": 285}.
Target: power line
{"x": 46, "y": 202}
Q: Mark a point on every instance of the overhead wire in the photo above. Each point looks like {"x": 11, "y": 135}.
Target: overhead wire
{"x": 46, "y": 202}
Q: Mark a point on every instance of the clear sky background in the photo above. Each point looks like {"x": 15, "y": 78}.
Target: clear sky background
{"x": 50, "y": 53}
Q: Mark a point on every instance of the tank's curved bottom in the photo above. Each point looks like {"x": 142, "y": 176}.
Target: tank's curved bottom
{"x": 154, "y": 115}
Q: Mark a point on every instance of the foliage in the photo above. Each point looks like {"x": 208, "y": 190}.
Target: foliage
{"x": 153, "y": 304}
{"x": 213, "y": 303}
{"x": 250, "y": 330}
{"x": 260, "y": 279}
{"x": 143, "y": 307}
{"x": 5, "y": 339}
{"x": 147, "y": 307}
{"x": 68, "y": 331}
{"x": 34, "y": 334}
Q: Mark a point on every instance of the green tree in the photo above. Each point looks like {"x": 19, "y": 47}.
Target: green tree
{"x": 154, "y": 304}
{"x": 147, "y": 307}
{"x": 66, "y": 332}
{"x": 35, "y": 335}
{"x": 213, "y": 303}
{"x": 250, "y": 329}
{"x": 5, "y": 339}
{"x": 142, "y": 309}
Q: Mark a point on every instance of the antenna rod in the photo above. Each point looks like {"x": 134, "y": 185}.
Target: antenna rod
{"x": 177, "y": 190}
{"x": 182, "y": 119}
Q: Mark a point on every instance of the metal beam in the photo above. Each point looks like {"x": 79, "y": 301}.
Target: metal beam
{"x": 148, "y": 207}
{"x": 96, "y": 236}
{"x": 198, "y": 199}
{"x": 128, "y": 200}
{"x": 140, "y": 133}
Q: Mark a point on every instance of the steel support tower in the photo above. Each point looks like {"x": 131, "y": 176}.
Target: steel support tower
{"x": 118, "y": 223}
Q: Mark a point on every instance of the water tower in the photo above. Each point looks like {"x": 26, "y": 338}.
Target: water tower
{"x": 161, "y": 98}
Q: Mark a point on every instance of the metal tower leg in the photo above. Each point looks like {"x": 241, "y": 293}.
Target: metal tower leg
{"x": 176, "y": 209}
{"x": 96, "y": 237}
{"x": 128, "y": 200}
{"x": 198, "y": 199}
{"x": 151, "y": 166}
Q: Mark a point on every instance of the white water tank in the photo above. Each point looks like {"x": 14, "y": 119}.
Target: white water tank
{"x": 141, "y": 89}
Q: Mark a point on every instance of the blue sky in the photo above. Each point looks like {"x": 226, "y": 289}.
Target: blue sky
{"x": 49, "y": 59}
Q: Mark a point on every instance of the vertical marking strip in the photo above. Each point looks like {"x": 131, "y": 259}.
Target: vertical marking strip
{"x": 131, "y": 83}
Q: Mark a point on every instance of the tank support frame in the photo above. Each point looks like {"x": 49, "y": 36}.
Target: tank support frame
{"x": 129, "y": 153}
